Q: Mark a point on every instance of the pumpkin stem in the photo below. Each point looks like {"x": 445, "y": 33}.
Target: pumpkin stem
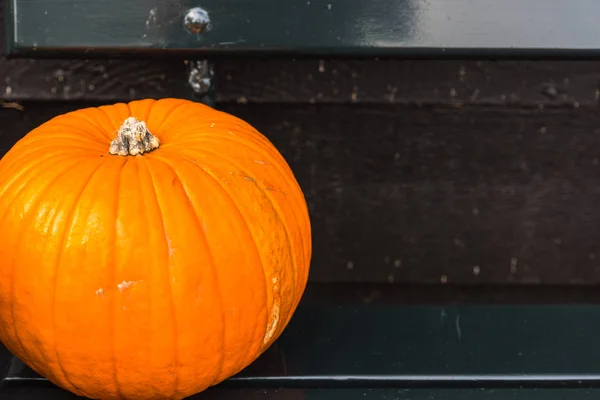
{"x": 133, "y": 138}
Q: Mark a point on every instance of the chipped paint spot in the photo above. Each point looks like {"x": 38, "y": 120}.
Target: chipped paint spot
{"x": 513, "y": 265}
{"x": 151, "y": 17}
{"x": 391, "y": 277}
{"x": 100, "y": 292}
{"x": 260, "y": 162}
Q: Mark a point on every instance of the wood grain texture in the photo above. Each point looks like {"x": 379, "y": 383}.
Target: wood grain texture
{"x": 425, "y": 82}
{"x": 426, "y": 194}
{"x": 108, "y": 81}
{"x": 411, "y": 82}
{"x": 445, "y": 195}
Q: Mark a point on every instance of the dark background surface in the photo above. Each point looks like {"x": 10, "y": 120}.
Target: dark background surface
{"x": 449, "y": 173}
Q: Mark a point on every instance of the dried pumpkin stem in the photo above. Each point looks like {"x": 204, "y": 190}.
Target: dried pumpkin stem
{"x": 133, "y": 138}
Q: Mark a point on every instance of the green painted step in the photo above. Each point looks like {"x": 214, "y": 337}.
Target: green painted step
{"x": 406, "y": 28}
{"x": 403, "y": 352}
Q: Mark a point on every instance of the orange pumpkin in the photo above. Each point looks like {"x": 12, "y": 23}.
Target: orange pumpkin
{"x": 148, "y": 250}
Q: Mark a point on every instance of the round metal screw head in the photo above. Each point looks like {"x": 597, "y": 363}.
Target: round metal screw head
{"x": 196, "y": 20}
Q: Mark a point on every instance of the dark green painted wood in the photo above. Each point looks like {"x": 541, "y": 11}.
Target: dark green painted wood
{"x": 361, "y": 347}
{"x": 17, "y": 391}
{"x": 485, "y": 28}
{"x": 387, "y": 343}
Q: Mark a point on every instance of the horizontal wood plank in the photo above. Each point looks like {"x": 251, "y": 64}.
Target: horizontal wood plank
{"x": 445, "y": 195}
{"x": 16, "y": 391}
{"x": 427, "y": 195}
{"x": 441, "y": 348}
{"x": 421, "y": 82}
{"x": 400, "y": 28}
